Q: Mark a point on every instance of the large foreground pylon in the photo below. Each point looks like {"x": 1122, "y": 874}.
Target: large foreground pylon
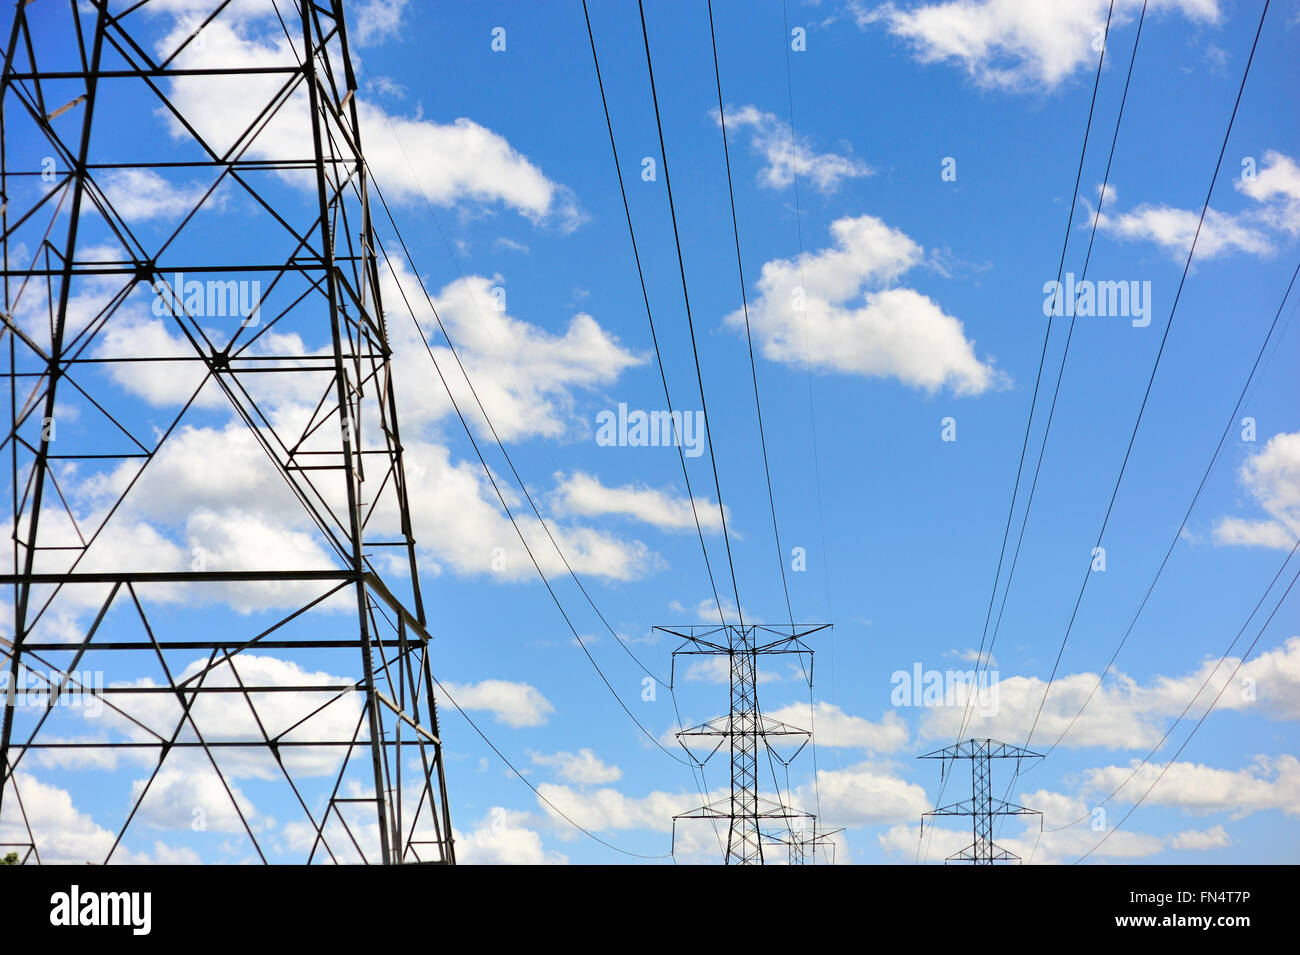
{"x": 218, "y": 632}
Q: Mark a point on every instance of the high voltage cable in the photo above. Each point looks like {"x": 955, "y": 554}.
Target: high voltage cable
{"x": 812, "y": 408}
{"x": 1033, "y": 402}
{"x": 1191, "y": 702}
{"x": 1183, "y": 524}
{"x": 1150, "y": 383}
{"x": 1199, "y": 722}
{"x": 645, "y": 296}
{"x": 702, "y": 785}
{"x": 744, "y": 302}
{"x": 1065, "y": 354}
{"x": 509, "y": 461}
{"x": 690, "y": 322}
{"x": 702, "y": 782}
{"x": 563, "y": 815}
{"x": 492, "y": 479}
{"x": 1156, "y": 366}
{"x": 758, "y": 405}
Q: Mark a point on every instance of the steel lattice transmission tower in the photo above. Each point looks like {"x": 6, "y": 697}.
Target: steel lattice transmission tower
{"x": 192, "y": 316}
{"x": 981, "y": 807}
{"x": 752, "y": 820}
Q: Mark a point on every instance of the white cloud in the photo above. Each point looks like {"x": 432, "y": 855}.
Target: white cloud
{"x": 187, "y": 792}
{"x": 1215, "y": 837}
{"x": 371, "y": 21}
{"x": 716, "y": 668}
{"x": 140, "y": 194}
{"x": 524, "y": 375}
{"x": 1010, "y": 44}
{"x": 66, "y": 835}
{"x": 784, "y": 157}
{"x": 1275, "y": 188}
{"x": 410, "y": 157}
{"x": 1268, "y": 783}
{"x": 583, "y": 767}
{"x": 852, "y": 322}
{"x": 1174, "y": 229}
{"x": 1272, "y": 477}
{"x": 835, "y": 728}
{"x": 503, "y": 839}
{"x": 514, "y": 704}
{"x": 584, "y": 495}
{"x": 864, "y": 795}
{"x": 1124, "y": 714}
{"x": 604, "y": 809}
{"x": 1276, "y": 183}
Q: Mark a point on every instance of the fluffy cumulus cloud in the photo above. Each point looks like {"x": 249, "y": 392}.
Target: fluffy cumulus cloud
{"x": 373, "y": 21}
{"x": 1267, "y": 783}
{"x": 1012, "y": 45}
{"x": 525, "y": 376}
{"x": 1272, "y": 478}
{"x": 1040, "y": 846}
{"x": 1123, "y": 713}
{"x": 411, "y": 157}
{"x": 511, "y": 703}
{"x": 584, "y": 495}
{"x": 583, "y": 767}
{"x": 786, "y": 156}
{"x": 1272, "y": 216}
{"x": 65, "y": 834}
{"x": 841, "y": 310}
{"x": 864, "y": 795}
{"x": 142, "y": 194}
{"x": 504, "y": 838}
{"x": 838, "y": 729}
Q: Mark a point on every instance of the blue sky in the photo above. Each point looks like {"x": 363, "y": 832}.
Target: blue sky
{"x": 925, "y": 303}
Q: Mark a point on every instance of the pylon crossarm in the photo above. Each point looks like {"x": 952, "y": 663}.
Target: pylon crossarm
{"x": 967, "y": 806}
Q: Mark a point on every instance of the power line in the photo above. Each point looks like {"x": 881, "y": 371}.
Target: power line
{"x": 1207, "y": 712}
{"x": 1033, "y": 402}
{"x": 702, "y": 782}
{"x": 690, "y": 322}
{"x": 1187, "y": 514}
{"x": 1155, "y": 367}
{"x": 1065, "y": 354}
{"x": 1150, "y": 382}
{"x": 744, "y": 301}
{"x": 812, "y": 406}
{"x": 488, "y": 471}
{"x": 753, "y": 368}
{"x": 558, "y": 811}
{"x": 509, "y": 461}
{"x": 645, "y": 296}
{"x": 1191, "y": 702}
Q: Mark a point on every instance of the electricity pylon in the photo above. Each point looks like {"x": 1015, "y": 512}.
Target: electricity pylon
{"x": 192, "y": 317}
{"x": 981, "y": 807}
{"x": 750, "y": 818}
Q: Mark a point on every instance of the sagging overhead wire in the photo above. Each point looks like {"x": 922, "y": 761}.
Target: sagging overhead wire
{"x": 1178, "y": 534}
{"x": 554, "y": 808}
{"x": 1164, "y": 338}
{"x": 1195, "y": 696}
{"x": 690, "y": 322}
{"x": 1213, "y": 703}
{"x": 645, "y": 297}
{"x": 1033, "y": 403}
{"x": 1191, "y": 252}
{"x": 483, "y": 462}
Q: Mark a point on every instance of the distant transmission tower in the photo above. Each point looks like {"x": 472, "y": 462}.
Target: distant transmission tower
{"x": 191, "y": 312}
{"x": 981, "y": 807}
{"x": 752, "y": 820}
